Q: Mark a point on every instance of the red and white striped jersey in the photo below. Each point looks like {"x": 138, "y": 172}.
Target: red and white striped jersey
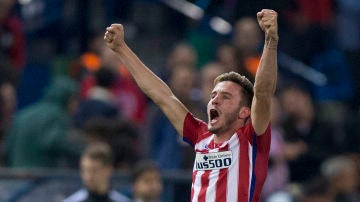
{"x": 233, "y": 171}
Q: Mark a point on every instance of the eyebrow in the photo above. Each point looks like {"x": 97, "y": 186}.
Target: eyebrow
{"x": 221, "y": 92}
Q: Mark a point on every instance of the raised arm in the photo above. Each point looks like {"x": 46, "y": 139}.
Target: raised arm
{"x": 149, "y": 83}
{"x": 266, "y": 75}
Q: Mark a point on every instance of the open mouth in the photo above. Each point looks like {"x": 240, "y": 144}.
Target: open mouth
{"x": 214, "y": 114}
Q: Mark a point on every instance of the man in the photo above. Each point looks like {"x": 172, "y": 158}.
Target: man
{"x": 232, "y": 150}
{"x": 96, "y": 170}
{"x": 147, "y": 183}
{"x": 46, "y": 125}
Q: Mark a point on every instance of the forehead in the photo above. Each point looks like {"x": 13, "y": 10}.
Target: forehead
{"x": 149, "y": 174}
{"x": 227, "y": 86}
{"x": 89, "y": 162}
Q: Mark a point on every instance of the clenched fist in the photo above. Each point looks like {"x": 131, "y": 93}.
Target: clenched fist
{"x": 267, "y": 20}
{"x": 114, "y": 37}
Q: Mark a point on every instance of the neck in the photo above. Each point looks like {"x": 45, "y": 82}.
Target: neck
{"x": 223, "y": 136}
{"x": 102, "y": 189}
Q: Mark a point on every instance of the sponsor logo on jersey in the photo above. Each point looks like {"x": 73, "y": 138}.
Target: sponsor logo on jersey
{"x": 213, "y": 160}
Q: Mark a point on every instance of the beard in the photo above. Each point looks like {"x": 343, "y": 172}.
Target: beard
{"x": 229, "y": 119}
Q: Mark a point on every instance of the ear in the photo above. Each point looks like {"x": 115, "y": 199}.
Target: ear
{"x": 244, "y": 112}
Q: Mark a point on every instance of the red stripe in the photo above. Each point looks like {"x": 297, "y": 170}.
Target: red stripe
{"x": 260, "y": 172}
{"x": 204, "y": 186}
{"x": 192, "y": 188}
{"x": 244, "y": 165}
{"x": 221, "y": 184}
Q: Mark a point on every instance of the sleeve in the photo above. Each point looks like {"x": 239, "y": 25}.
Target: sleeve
{"x": 56, "y": 139}
{"x": 192, "y": 129}
{"x": 263, "y": 140}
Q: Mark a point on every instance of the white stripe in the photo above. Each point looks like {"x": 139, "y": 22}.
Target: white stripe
{"x": 250, "y": 166}
{"x": 197, "y": 185}
{"x": 233, "y": 171}
{"x": 211, "y": 191}
{"x": 213, "y": 178}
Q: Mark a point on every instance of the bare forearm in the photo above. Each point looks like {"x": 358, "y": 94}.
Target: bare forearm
{"x": 266, "y": 75}
{"x": 264, "y": 87}
{"x": 149, "y": 83}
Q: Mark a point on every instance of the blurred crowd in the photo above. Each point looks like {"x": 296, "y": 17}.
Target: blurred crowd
{"x": 62, "y": 89}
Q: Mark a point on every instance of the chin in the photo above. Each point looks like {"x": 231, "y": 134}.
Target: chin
{"x": 213, "y": 129}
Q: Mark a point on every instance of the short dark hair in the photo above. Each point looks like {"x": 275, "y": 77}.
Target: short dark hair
{"x": 247, "y": 86}
{"x": 99, "y": 151}
{"x": 141, "y": 167}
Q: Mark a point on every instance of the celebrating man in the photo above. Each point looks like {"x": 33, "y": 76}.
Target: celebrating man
{"x": 232, "y": 149}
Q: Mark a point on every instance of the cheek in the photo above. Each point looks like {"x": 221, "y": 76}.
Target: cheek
{"x": 87, "y": 177}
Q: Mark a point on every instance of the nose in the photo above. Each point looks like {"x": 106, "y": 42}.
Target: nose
{"x": 215, "y": 100}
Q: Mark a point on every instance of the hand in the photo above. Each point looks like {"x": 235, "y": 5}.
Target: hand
{"x": 267, "y": 20}
{"x": 114, "y": 37}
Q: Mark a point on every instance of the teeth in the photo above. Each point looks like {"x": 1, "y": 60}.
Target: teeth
{"x": 213, "y": 121}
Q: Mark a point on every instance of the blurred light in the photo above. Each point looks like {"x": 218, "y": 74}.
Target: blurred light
{"x": 220, "y": 25}
{"x": 280, "y": 197}
{"x": 299, "y": 68}
{"x": 189, "y": 9}
{"x": 24, "y": 2}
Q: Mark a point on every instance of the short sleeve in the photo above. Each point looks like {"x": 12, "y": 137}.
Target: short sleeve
{"x": 261, "y": 141}
{"x": 264, "y": 140}
{"x": 192, "y": 129}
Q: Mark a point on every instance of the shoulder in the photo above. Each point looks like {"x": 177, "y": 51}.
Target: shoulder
{"x": 194, "y": 129}
{"x": 249, "y": 131}
{"x": 118, "y": 197}
{"x": 194, "y": 123}
{"x": 78, "y": 196}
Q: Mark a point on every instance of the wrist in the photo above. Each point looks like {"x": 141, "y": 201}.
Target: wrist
{"x": 120, "y": 48}
{"x": 271, "y": 43}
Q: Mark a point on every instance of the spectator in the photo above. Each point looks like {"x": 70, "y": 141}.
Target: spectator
{"x": 310, "y": 139}
{"x": 96, "y": 169}
{"x": 317, "y": 191}
{"x": 226, "y": 55}
{"x": 100, "y": 101}
{"x": 38, "y": 135}
{"x": 146, "y": 182}
{"x": 343, "y": 177}
{"x": 182, "y": 54}
{"x": 119, "y": 134}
